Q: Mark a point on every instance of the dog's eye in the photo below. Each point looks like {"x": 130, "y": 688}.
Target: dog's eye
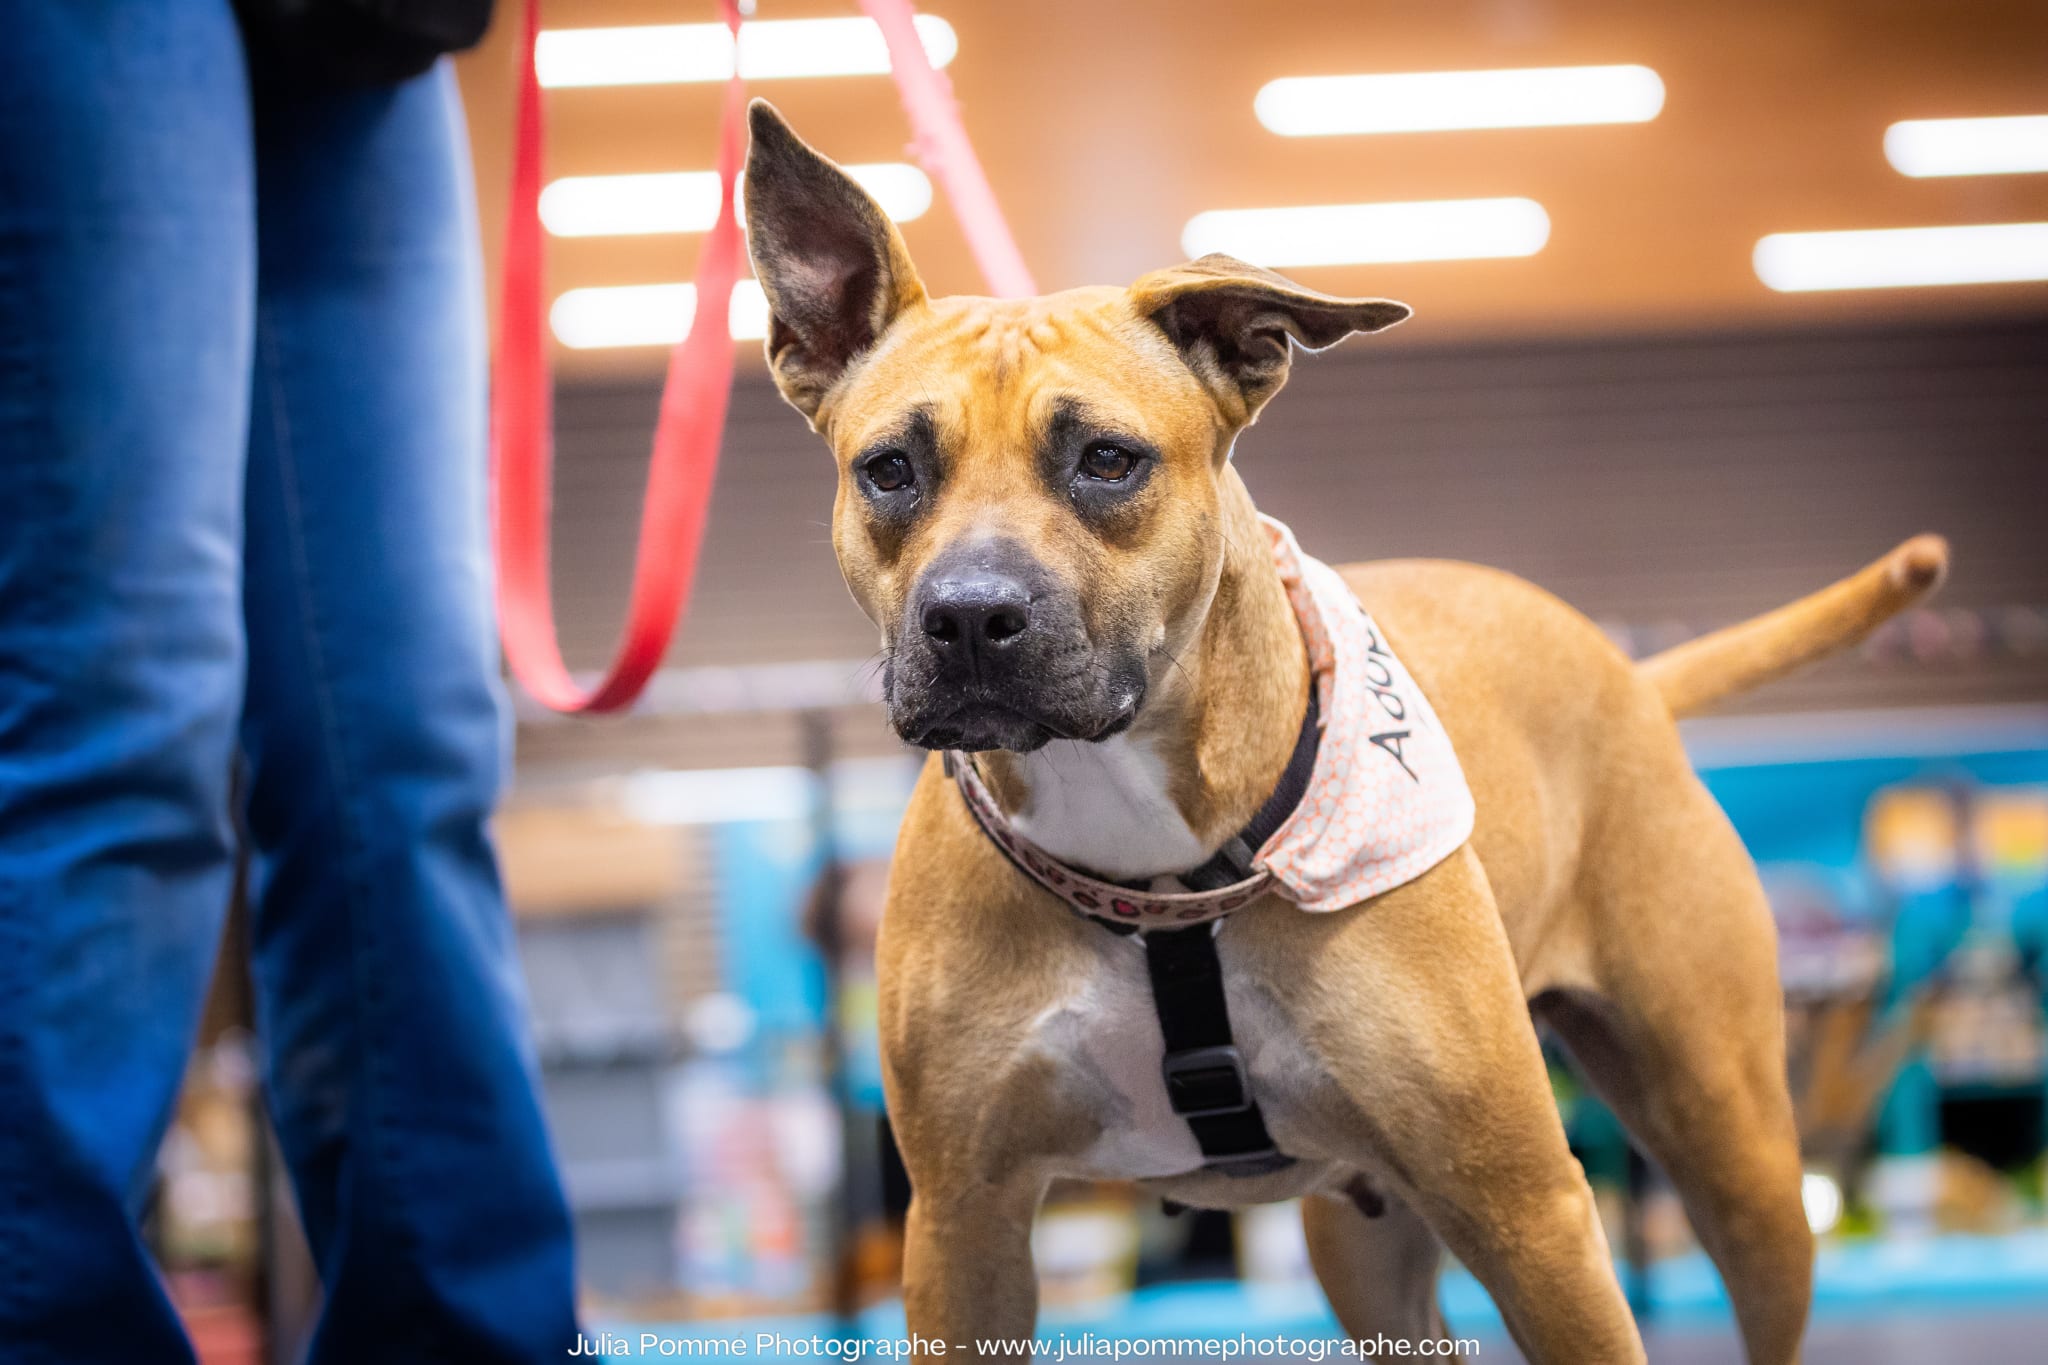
{"x": 1108, "y": 462}
{"x": 889, "y": 471}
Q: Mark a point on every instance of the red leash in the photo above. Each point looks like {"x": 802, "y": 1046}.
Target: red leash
{"x": 686, "y": 437}
{"x": 698, "y": 385}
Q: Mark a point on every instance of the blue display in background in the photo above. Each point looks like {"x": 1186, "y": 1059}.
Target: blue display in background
{"x": 1808, "y": 823}
{"x": 766, "y": 871}
{"x": 1812, "y": 812}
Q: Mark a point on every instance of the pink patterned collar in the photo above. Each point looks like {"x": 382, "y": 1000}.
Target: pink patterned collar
{"x": 1386, "y": 799}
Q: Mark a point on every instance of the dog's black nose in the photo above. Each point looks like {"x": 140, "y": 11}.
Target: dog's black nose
{"x": 972, "y": 611}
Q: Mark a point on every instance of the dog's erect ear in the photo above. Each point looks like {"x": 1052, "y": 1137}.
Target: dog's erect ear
{"x": 1233, "y": 324}
{"x": 830, "y": 261}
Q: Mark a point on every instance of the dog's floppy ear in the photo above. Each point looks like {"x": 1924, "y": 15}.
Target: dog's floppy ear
{"x": 1233, "y": 323}
{"x": 829, "y": 260}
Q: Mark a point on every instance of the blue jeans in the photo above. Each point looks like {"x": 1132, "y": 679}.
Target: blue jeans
{"x": 241, "y": 383}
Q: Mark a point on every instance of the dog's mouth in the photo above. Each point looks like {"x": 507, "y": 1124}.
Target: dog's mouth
{"x": 984, "y": 725}
{"x": 979, "y": 726}
{"x": 1051, "y": 689}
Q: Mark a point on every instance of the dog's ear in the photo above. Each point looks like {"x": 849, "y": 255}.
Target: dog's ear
{"x": 829, "y": 260}
{"x": 1233, "y": 324}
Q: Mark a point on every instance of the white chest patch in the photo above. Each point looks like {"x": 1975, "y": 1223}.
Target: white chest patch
{"x": 1105, "y": 807}
{"x": 1104, "y": 1034}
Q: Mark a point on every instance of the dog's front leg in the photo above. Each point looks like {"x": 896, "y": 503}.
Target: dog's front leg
{"x": 968, "y": 1280}
{"x": 1412, "y": 1007}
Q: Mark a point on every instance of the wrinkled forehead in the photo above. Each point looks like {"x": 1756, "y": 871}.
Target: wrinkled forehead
{"x": 1008, "y": 369}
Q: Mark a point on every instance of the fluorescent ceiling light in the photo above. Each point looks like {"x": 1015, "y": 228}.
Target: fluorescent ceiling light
{"x": 1355, "y": 234}
{"x": 687, "y": 201}
{"x": 648, "y": 315}
{"x": 1994, "y": 253}
{"x": 1426, "y": 101}
{"x": 663, "y": 54}
{"x": 1968, "y": 146}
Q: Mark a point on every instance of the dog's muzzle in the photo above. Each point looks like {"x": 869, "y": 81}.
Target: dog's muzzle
{"x": 992, "y": 653}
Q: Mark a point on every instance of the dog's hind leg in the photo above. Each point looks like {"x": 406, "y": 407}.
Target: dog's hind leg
{"x": 1728, "y": 1146}
{"x": 1682, "y": 1032}
{"x": 1377, "y": 1262}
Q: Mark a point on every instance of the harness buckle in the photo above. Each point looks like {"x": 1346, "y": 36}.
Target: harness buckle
{"x": 1204, "y": 1082}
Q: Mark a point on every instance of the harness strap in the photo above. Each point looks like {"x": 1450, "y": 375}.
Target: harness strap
{"x": 1206, "y": 1080}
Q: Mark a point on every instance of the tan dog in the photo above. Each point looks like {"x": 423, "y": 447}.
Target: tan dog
{"x": 1037, "y": 508}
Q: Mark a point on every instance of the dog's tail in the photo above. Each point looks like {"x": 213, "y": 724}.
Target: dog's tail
{"x": 1699, "y": 673}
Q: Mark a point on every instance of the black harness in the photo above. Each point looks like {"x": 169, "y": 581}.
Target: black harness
{"x": 1206, "y": 1080}
{"x": 1205, "y": 1074}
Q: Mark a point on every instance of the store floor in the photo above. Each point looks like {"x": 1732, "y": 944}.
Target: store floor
{"x": 1978, "y": 1335}
{"x": 1946, "y": 1300}
{"x": 1934, "y": 1338}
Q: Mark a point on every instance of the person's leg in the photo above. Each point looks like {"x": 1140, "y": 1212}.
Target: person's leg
{"x": 126, "y": 277}
{"x": 388, "y": 993}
